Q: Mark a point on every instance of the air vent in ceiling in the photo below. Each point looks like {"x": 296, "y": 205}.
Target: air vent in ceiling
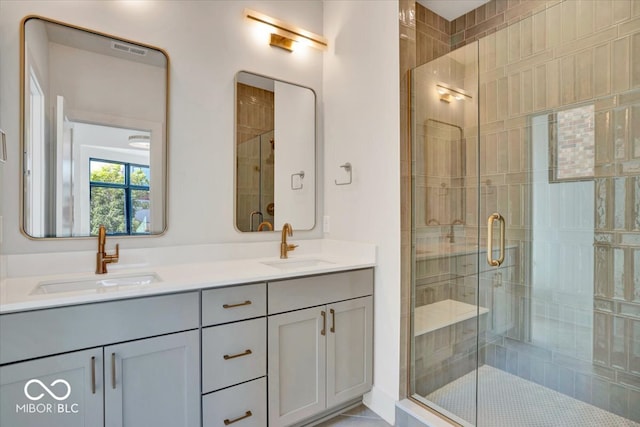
{"x": 134, "y": 50}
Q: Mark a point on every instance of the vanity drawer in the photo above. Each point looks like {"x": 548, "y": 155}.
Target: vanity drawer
{"x": 293, "y": 294}
{"x": 233, "y": 353}
{"x": 234, "y": 303}
{"x": 246, "y": 403}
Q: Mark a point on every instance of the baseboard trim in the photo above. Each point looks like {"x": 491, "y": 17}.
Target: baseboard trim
{"x": 328, "y": 414}
{"x": 382, "y": 404}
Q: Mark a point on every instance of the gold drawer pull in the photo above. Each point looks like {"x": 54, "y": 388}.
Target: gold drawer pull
{"x": 233, "y": 356}
{"x": 324, "y": 322}
{"x": 333, "y": 320}
{"x": 236, "y": 305}
{"x": 246, "y": 415}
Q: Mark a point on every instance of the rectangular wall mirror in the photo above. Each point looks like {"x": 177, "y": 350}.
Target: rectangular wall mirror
{"x": 275, "y": 154}
{"x": 94, "y": 133}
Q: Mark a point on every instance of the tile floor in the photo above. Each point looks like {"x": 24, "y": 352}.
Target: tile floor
{"x": 360, "y": 416}
{"x": 507, "y": 400}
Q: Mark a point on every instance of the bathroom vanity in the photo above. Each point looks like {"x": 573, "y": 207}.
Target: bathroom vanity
{"x": 281, "y": 351}
{"x": 130, "y": 360}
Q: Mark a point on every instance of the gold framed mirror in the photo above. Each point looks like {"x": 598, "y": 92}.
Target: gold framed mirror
{"x": 94, "y": 114}
{"x": 275, "y": 162}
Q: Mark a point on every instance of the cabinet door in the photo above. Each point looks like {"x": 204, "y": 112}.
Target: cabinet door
{"x": 349, "y": 349}
{"x": 153, "y": 382}
{"x": 57, "y": 391}
{"x": 296, "y": 365}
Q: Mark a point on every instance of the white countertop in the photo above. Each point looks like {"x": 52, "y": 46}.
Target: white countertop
{"x": 16, "y": 292}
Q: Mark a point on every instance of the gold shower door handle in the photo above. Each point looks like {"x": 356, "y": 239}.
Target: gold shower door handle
{"x": 490, "y": 260}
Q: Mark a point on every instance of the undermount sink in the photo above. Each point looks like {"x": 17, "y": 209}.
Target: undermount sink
{"x": 99, "y": 285}
{"x": 292, "y": 264}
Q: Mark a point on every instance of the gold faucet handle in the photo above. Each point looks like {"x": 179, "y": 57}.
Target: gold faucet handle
{"x": 113, "y": 257}
{"x": 291, "y": 247}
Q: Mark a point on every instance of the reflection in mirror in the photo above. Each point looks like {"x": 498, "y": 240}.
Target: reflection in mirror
{"x": 94, "y": 133}
{"x": 275, "y": 154}
{"x": 445, "y": 176}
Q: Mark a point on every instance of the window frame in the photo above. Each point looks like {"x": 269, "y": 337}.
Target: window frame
{"x": 127, "y": 187}
{"x": 554, "y": 146}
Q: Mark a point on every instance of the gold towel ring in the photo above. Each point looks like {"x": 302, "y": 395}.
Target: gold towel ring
{"x": 266, "y": 224}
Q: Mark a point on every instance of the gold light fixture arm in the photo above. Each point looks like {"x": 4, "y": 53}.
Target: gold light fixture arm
{"x": 284, "y": 34}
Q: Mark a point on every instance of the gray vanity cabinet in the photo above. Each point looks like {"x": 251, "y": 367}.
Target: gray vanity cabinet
{"x": 296, "y": 366}
{"x": 320, "y": 356}
{"x": 349, "y": 350}
{"x": 150, "y": 382}
{"x": 34, "y": 406}
{"x": 150, "y": 378}
{"x": 153, "y": 382}
{"x": 234, "y": 356}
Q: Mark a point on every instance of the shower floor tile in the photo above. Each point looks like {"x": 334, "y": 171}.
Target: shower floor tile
{"x": 506, "y": 400}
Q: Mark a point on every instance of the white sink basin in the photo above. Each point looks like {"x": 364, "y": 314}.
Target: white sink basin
{"x": 99, "y": 285}
{"x": 292, "y": 264}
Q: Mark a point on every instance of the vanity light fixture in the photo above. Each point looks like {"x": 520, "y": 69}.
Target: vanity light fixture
{"x": 287, "y": 36}
{"x": 447, "y": 94}
{"x": 140, "y": 141}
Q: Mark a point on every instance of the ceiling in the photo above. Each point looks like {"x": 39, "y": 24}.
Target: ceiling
{"x": 451, "y": 9}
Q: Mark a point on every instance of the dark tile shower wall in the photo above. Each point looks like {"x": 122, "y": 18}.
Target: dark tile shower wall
{"x": 435, "y": 36}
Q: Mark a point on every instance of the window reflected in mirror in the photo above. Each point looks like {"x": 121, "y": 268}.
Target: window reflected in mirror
{"x": 119, "y": 197}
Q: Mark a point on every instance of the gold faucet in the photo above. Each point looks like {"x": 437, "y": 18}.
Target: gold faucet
{"x": 451, "y": 235}
{"x": 102, "y": 258}
{"x": 284, "y": 246}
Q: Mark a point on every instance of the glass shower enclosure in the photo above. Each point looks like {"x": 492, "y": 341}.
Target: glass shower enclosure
{"x": 526, "y": 223}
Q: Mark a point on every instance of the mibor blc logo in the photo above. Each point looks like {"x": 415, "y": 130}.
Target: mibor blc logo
{"x": 36, "y": 390}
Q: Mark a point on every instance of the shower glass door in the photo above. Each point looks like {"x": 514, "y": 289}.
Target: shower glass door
{"x": 549, "y": 125}
{"x": 445, "y": 327}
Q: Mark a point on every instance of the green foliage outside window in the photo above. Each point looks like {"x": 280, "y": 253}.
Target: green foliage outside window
{"x": 108, "y": 202}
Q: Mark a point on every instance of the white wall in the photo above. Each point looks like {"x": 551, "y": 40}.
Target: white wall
{"x": 104, "y": 84}
{"x": 294, "y": 129}
{"x": 207, "y": 42}
{"x": 362, "y": 126}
